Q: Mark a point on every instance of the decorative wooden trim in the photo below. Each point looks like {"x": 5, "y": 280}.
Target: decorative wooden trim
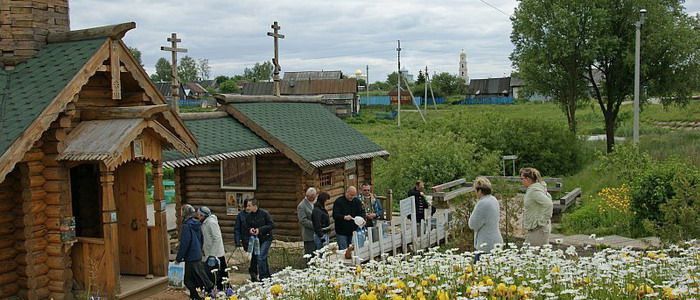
{"x": 156, "y": 97}
{"x": 229, "y": 98}
{"x": 107, "y": 68}
{"x": 33, "y": 133}
{"x": 216, "y": 157}
{"x": 129, "y": 112}
{"x": 339, "y": 160}
{"x": 114, "y": 72}
{"x": 113, "y": 32}
{"x": 170, "y": 138}
{"x": 272, "y": 140}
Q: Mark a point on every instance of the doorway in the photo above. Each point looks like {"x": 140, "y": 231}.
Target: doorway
{"x": 86, "y": 201}
{"x": 130, "y": 200}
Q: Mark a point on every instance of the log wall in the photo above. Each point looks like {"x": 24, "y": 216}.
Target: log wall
{"x": 9, "y": 191}
{"x": 279, "y": 188}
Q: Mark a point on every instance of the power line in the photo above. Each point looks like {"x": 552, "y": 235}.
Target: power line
{"x": 496, "y": 8}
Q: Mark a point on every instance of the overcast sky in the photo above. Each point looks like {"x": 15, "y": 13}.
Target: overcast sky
{"x": 320, "y": 34}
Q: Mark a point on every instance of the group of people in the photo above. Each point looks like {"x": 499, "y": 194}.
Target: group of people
{"x": 537, "y": 213}
{"x": 201, "y": 234}
{"x": 315, "y": 219}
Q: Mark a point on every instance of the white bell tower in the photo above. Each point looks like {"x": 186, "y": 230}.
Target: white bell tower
{"x": 463, "y": 66}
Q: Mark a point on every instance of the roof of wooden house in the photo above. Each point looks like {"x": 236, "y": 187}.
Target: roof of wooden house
{"x": 304, "y": 131}
{"x": 312, "y": 75}
{"x": 34, "y": 93}
{"x": 490, "y": 86}
{"x": 303, "y": 87}
{"x": 166, "y": 89}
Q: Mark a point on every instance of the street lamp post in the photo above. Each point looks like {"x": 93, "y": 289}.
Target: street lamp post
{"x": 637, "y": 50}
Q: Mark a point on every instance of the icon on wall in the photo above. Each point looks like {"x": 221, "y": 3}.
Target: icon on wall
{"x": 234, "y": 202}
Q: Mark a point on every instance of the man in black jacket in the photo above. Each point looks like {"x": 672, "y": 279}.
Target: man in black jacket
{"x": 345, "y": 208}
{"x": 260, "y": 226}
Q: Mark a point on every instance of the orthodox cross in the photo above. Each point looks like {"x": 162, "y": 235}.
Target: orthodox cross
{"x": 174, "y": 82}
{"x": 276, "y": 74}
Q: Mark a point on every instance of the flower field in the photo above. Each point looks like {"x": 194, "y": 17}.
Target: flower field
{"x": 508, "y": 273}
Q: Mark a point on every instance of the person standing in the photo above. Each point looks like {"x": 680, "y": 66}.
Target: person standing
{"x": 305, "y": 209}
{"x": 345, "y": 208}
{"x": 213, "y": 246}
{"x": 420, "y": 202}
{"x": 260, "y": 228}
{"x": 537, "y": 208}
{"x": 485, "y": 219}
{"x": 191, "y": 253}
{"x": 241, "y": 235}
{"x": 373, "y": 208}
{"x": 321, "y": 220}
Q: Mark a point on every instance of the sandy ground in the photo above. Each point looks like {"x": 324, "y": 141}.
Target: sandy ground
{"x": 236, "y": 279}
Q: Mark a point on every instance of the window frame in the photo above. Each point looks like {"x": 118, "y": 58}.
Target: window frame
{"x": 244, "y": 188}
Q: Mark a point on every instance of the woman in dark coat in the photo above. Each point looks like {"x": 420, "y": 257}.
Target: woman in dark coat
{"x": 321, "y": 220}
{"x": 191, "y": 253}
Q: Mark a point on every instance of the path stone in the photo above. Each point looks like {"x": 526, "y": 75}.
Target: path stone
{"x": 614, "y": 241}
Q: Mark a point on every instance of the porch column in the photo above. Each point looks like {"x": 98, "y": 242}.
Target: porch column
{"x": 110, "y": 232}
{"x": 160, "y": 248}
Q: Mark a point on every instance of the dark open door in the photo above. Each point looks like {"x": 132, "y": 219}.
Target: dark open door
{"x": 130, "y": 199}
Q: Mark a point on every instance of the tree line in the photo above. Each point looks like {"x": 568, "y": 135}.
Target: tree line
{"x": 574, "y": 51}
{"x": 443, "y": 84}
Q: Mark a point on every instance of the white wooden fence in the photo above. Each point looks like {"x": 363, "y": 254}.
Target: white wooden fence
{"x": 403, "y": 233}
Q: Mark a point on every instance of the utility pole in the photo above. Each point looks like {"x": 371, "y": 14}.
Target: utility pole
{"x": 398, "y": 83}
{"x": 367, "y": 83}
{"x": 637, "y": 51}
{"x": 425, "y": 94}
{"x": 276, "y": 61}
{"x": 174, "y": 81}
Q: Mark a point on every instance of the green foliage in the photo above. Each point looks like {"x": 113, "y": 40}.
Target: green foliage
{"x": 653, "y": 188}
{"x": 449, "y": 84}
{"x": 163, "y": 71}
{"x": 220, "y": 79}
{"x": 627, "y": 162}
{"x": 187, "y": 69}
{"x": 545, "y": 145}
{"x": 441, "y": 158}
{"x": 228, "y": 86}
{"x": 681, "y": 214}
{"x": 136, "y": 54}
{"x": 204, "y": 69}
{"x": 259, "y": 72}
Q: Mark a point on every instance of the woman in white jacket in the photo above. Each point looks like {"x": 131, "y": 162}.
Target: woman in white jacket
{"x": 213, "y": 246}
{"x": 485, "y": 218}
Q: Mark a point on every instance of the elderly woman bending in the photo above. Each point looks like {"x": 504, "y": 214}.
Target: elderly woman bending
{"x": 485, "y": 218}
{"x": 538, "y": 208}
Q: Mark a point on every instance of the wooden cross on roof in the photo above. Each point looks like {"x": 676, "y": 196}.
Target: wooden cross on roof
{"x": 276, "y": 73}
{"x": 174, "y": 82}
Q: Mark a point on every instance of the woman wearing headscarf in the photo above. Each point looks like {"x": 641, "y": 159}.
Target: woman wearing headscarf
{"x": 191, "y": 253}
{"x": 213, "y": 246}
{"x": 537, "y": 208}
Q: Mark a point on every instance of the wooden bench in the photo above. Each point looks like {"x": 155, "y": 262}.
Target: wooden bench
{"x": 553, "y": 184}
{"x": 441, "y": 193}
{"x": 564, "y": 203}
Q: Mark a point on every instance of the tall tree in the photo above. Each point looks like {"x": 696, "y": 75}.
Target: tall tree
{"x": 259, "y": 72}
{"x": 449, "y": 84}
{"x": 187, "y": 69}
{"x": 136, "y": 54}
{"x": 228, "y": 86}
{"x": 552, "y": 51}
{"x": 670, "y": 64}
{"x": 421, "y": 77}
{"x": 220, "y": 79}
{"x": 163, "y": 71}
{"x": 204, "y": 69}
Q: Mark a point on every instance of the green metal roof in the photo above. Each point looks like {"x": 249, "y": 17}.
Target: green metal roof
{"x": 219, "y": 139}
{"x": 310, "y": 130}
{"x": 28, "y": 89}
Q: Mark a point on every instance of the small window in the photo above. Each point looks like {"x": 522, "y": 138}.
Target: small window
{"x": 238, "y": 173}
{"x": 326, "y": 179}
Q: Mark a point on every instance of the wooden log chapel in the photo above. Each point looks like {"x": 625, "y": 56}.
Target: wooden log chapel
{"x": 271, "y": 148}
{"x": 79, "y": 121}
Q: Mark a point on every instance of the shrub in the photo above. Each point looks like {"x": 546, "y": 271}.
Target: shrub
{"x": 653, "y": 188}
{"x": 441, "y": 158}
{"x": 680, "y": 215}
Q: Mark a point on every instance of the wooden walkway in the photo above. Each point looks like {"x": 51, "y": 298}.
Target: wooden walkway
{"x": 614, "y": 241}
